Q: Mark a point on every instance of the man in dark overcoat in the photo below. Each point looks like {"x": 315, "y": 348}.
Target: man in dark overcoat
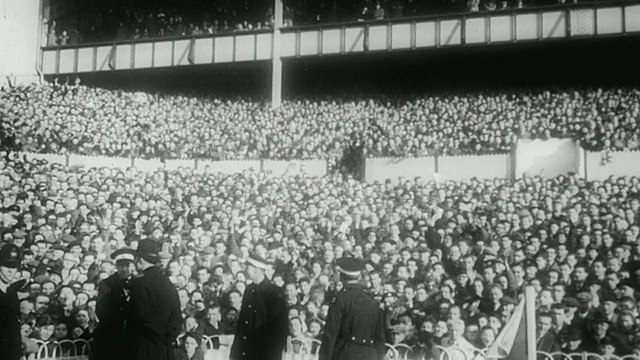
{"x": 154, "y": 310}
{"x": 112, "y": 309}
{"x": 10, "y": 339}
{"x": 261, "y": 333}
{"x": 355, "y": 324}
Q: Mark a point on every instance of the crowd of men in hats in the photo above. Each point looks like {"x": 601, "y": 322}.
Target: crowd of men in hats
{"x": 441, "y": 263}
{"x": 70, "y": 120}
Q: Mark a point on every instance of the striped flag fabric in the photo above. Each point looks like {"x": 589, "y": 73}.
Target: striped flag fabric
{"x": 511, "y": 343}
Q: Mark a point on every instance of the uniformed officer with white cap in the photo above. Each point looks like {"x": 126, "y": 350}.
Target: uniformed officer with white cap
{"x": 355, "y": 324}
{"x": 112, "y": 308}
{"x": 261, "y": 333}
{"x": 10, "y": 339}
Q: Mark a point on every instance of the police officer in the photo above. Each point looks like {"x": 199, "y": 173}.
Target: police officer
{"x": 10, "y": 339}
{"x": 112, "y": 308}
{"x": 355, "y": 324}
{"x": 262, "y": 327}
{"x": 155, "y": 320}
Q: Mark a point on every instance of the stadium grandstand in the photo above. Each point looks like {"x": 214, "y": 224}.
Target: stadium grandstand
{"x": 490, "y": 175}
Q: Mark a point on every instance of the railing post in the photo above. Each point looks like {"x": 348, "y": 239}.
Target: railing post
{"x": 463, "y": 30}
{"x": 567, "y": 22}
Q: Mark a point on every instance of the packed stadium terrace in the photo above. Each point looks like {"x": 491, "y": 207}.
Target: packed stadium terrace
{"x": 70, "y": 118}
{"x": 166, "y": 19}
{"x": 434, "y": 252}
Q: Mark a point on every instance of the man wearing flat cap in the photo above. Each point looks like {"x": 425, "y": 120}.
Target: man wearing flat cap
{"x": 113, "y": 307}
{"x": 155, "y": 320}
{"x": 261, "y": 332}
{"x": 10, "y": 338}
{"x": 355, "y": 323}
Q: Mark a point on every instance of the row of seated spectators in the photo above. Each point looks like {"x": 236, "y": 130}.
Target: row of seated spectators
{"x": 448, "y": 262}
{"x": 54, "y": 118}
{"x": 220, "y": 16}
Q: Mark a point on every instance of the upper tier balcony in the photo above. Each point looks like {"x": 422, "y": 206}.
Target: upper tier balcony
{"x": 542, "y": 24}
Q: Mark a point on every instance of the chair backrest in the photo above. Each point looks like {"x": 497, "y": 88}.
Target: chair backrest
{"x": 404, "y": 351}
{"x": 390, "y": 352}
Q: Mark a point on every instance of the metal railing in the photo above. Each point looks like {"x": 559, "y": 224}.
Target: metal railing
{"x": 79, "y": 350}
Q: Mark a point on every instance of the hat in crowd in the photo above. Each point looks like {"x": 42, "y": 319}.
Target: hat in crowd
{"x": 10, "y": 256}
{"x": 625, "y": 283}
{"x": 508, "y": 301}
{"x": 124, "y": 255}
{"x": 608, "y": 297}
{"x": 598, "y": 317}
{"x": 584, "y": 297}
{"x": 607, "y": 340}
{"x": 59, "y": 247}
{"x": 258, "y": 261}
{"x": 570, "y": 302}
{"x": 575, "y": 334}
{"x": 148, "y": 250}
{"x": 349, "y": 266}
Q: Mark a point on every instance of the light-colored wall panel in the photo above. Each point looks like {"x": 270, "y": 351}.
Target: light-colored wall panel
{"x": 282, "y": 168}
{"x": 501, "y": 29}
{"x": 550, "y": 158}
{"x": 401, "y": 36}
{"x": 144, "y": 56}
{"x": 426, "y": 34}
{"x": 163, "y": 54}
{"x": 245, "y": 47}
{"x": 624, "y": 163}
{"x": 204, "y": 51}
{"x": 331, "y": 41}
{"x": 288, "y": 44}
{"x": 309, "y": 42}
{"x": 354, "y": 40}
{"x": 381, "y": 169}
{"x": 67, "y": 61}
{"x": 475, "y": 30}
{"x": 103, "y": 54}
{"x": 123, "y": 56}
{"x": 450, "y": 32}
{"x": 466, "y": 167}
{"x": 553, "y": 25}
{"x": 181, "y": 52}
{"x": 378, "y": 37}
{"x": 263, "y": 52}
{"x": 227, "y": 167}
{"x": 610, "y": 20}
{"x": 632, "y": 18}
{"x": 49, "y": 61}
{"x": 526, "y": 27}
{"x": 582, "y": 22}
{"x": 85, "y": 59}
{"x": 224, "y": 49}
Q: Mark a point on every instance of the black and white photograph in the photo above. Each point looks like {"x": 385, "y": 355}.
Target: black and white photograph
{"x": 320, "y": 180}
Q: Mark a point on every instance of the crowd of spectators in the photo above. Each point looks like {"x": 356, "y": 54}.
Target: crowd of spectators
{"x": 447, "y": 261}
{"x": 70, "y": 118}
{"x": 222, "y": 16}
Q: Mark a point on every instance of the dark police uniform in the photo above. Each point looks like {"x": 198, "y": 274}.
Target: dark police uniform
{"x": 10, "y": 338}
{"x": 155, "y": 320}
{"x": 261, "y": 333}
{"x": 112, "y": 310}
{"x": 354, "y": 327}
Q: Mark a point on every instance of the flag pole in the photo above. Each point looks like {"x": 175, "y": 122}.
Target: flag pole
{"x": 530, "y": 317}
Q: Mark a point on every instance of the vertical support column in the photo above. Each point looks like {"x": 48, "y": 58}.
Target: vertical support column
{"x": 276, "y": 62}
{"x": 530, "y": 317}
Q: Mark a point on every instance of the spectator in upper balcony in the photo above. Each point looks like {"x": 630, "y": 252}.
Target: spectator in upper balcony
{"x": 378, "y": 13}
{"x": 473, "y": 5}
